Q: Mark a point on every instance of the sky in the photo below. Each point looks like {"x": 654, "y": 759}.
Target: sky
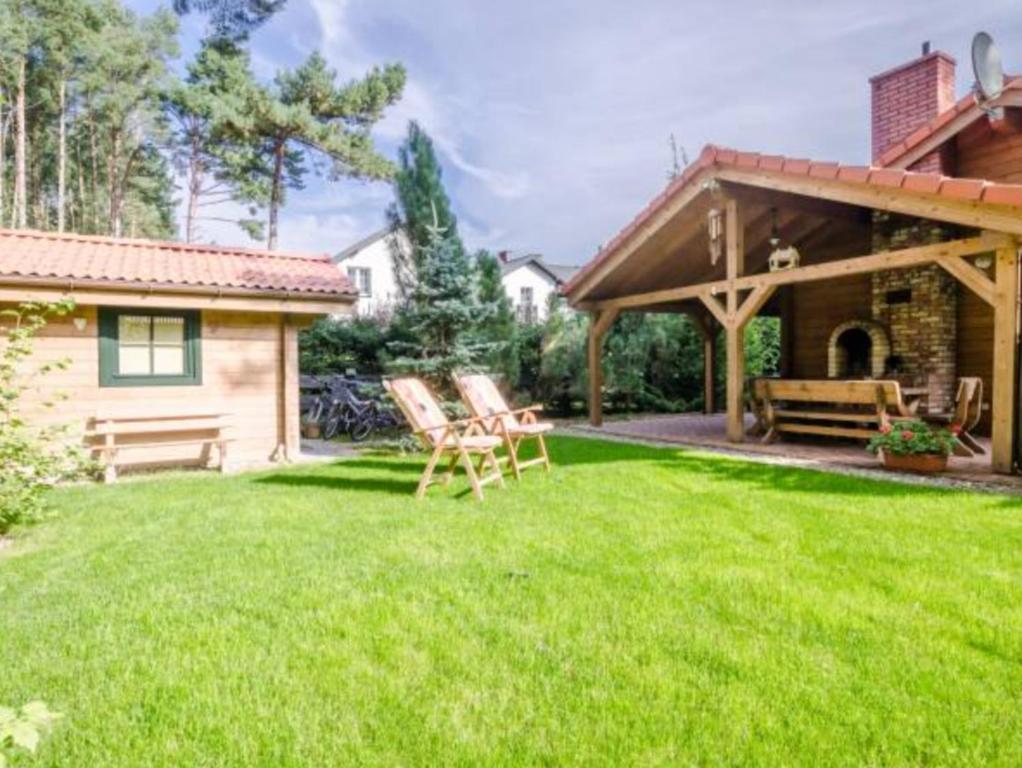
{"x": 553, "y": 118}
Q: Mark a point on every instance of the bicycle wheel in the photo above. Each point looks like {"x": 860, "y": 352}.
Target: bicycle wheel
{"x": 361, "y": 429}
{"x": 332, "y": 424}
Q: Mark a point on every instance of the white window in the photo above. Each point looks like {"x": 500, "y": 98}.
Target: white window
{"x": 362, "y": 278}
{"x": 527, "y": 311}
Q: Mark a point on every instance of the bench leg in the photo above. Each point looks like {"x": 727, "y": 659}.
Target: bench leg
{"x": 109, "y": 467}
{"x": 222, "y": 450}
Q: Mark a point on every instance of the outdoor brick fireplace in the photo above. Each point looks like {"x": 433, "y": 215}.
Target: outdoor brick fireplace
{"x": 918, "y": 307}
{"x": 858, "y": 349}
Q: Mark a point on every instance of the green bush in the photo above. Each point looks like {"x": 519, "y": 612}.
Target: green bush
{"x": 652, "y": 362}
{"x": 33, "y": 458}
{"x": 904, "y": 438}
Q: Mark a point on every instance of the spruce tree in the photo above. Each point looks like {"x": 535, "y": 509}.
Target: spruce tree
{"x": 497, "y": 324}
{"x": 421, "y": 202}
{"x": 442, "y": 315}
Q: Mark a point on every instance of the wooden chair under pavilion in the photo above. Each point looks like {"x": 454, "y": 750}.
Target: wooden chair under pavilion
{"x": 459, "y": 440}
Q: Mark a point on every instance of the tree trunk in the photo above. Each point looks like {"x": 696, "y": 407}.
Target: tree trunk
{"x": 115, "y": 187}
{"x": 3, "y": 160}
{"x": 20, "y": 196}
{"x": 94, "y": 151}
{"x": 61, "y": 152}
{"x": 80, "y": 207}
{"x": 195, "y": 181}
{"x": 275, "y": 194}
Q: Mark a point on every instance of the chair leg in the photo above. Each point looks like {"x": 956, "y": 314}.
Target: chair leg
{"x": 449, "y": 474}
{"x": 491, "y": 457}
{"x": 970, "y": 442}
{"x": 543, "y": 452}
{"x": 473, "y": 478}
{"x": 512, "y": 455}
{"x": 427, "y": 474}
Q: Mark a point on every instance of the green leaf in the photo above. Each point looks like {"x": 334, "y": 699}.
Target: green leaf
{"x": 25, "y": 735}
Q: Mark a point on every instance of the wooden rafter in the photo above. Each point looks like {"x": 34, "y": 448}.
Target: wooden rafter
{"x": 753, "y": 303}
{"x": 969, "y": 213}
{"x": 877, "y": 262}
{"x": 970, "y": 277}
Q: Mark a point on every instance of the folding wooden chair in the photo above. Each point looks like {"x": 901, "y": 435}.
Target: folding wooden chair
{"x": 968, "y": 410}
{"x": 460, "y": 439}
{"x": 485, "y": 402}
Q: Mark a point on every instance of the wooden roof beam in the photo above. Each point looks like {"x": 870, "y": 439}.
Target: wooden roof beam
{"x": 969, "y": 213}
{"x": 876, "y": 262}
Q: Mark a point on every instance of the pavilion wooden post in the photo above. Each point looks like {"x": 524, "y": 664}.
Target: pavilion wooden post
{"x": 703, "y": 321}
{"x": 599, "y": 325}
{"x": 1006, "y": 301}
{"x": 735, "y": 237}
{"x": 709, "y": 358}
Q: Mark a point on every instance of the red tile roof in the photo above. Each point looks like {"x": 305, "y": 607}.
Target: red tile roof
{"x": 82, "y": 259}
{"x": 978, "y": 190}
{"x": 934, "y": 126}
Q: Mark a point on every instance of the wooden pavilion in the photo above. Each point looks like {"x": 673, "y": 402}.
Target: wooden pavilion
{"x": 893, "y": 273}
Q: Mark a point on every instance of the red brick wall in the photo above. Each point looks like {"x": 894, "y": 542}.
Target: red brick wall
{"x": 905, "y": 97}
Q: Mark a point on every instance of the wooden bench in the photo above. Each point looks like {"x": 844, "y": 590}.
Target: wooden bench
{"x": 852, "y": 409}
{"x": 111, "y": 437}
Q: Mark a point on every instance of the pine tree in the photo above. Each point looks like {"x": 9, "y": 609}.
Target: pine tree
{"x": 231, "y": 20}
{"x": 218, "y": 168}
{"x": 307, "y": 116}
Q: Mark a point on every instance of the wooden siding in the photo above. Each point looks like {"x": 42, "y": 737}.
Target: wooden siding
{"x": 241, "y": 376}
{"x": 983, "y": 153}
{"x": 975, "y": 353}
{"x": 816, "y": 310}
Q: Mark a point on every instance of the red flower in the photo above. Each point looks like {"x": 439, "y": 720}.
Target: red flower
{"x": 885, "y": 429}
{"x": 907, "y": 435}
{"x": 955, "y": 429}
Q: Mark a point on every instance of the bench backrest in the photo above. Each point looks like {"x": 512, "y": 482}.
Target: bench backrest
{"x": 838, "y": 392}
{"x": 138, "y": 424}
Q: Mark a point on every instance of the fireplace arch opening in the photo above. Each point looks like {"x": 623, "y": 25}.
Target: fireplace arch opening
{"x": 857, "y": 350}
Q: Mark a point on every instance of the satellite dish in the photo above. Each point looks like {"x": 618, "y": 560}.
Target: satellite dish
{"x": 986, "y": 64}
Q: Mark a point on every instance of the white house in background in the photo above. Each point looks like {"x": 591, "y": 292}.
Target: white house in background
{"x": 369, "y": 264}
{"x": 529, "y": 282}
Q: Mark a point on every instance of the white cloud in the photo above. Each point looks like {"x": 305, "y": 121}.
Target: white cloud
{"x": 552, "y": 119}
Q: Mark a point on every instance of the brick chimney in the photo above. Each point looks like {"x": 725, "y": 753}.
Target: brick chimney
{"x": 908, "y": 96}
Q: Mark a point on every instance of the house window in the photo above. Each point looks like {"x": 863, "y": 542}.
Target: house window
{"x": 362, "y": 278}
{"x": 142, "y": 348}
{"x": 527, "y": 311}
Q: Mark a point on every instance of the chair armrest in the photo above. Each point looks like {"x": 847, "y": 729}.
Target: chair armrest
{"x": 451, "y": 425}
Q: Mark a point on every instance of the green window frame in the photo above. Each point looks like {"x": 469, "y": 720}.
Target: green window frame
{"x": 110, "y": 345}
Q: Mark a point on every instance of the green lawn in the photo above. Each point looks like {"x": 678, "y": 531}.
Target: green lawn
{"x": 637, "y": 606}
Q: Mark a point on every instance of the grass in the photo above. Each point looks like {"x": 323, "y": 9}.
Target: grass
{"x": 637, "y": 606}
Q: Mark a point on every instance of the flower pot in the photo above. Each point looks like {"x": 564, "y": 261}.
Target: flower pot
{"x": 310, "y": 430}
{"x": 924, "y": 463}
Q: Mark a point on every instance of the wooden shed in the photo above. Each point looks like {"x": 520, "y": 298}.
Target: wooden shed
{"x": 172, "y": 347}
